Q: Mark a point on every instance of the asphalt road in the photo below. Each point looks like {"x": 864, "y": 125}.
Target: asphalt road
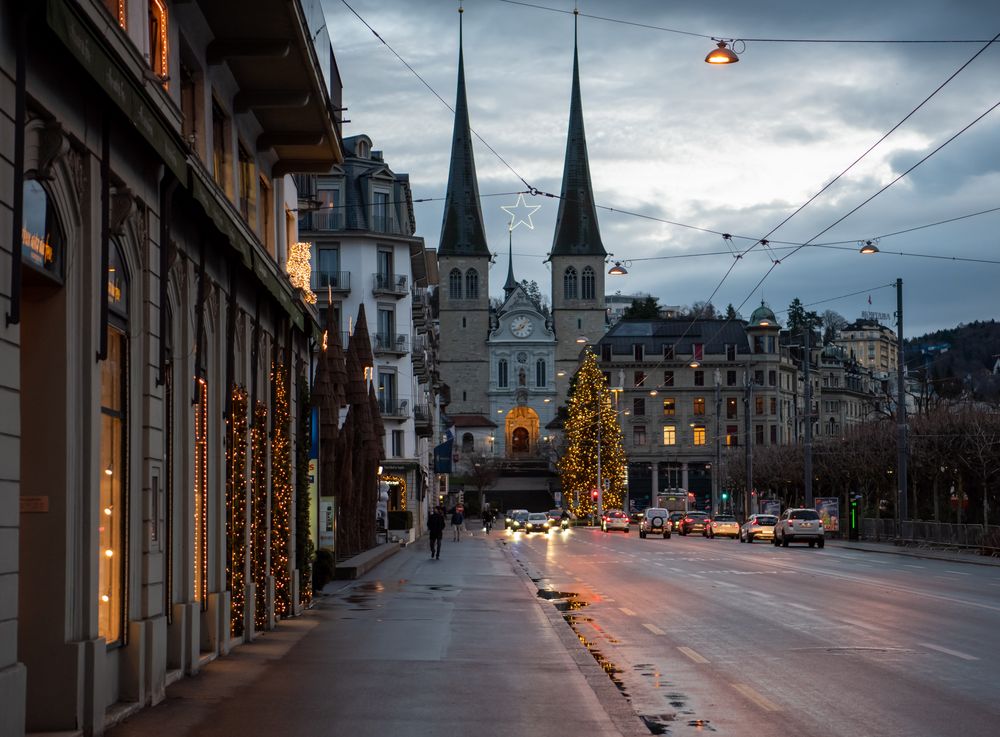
{"x": 714, "y": 635}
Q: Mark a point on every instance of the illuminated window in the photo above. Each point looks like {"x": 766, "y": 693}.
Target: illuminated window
{"x": 159, "y": 49}
{"x": 587, "y": 283}
{"x": 699, "y": 405}
{"x": 669, "y": 435}
{"x": 669, "y": 407}
{"x": 732, "y": 410}
{"x": 455, "y": 284}
{"x": 698, "y": 436}
{"x": 114, "y": 462}
{"x": 732, "y": 435}
{"x": 569, "y": 283}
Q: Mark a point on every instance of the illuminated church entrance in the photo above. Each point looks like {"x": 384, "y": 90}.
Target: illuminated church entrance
{"x": 522, "y": 432}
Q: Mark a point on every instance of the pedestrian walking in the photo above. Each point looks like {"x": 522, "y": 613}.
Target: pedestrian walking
{"x": 435, "y": 526}
{"x": 488, "y": 520}
{"x": 457, "y": 520}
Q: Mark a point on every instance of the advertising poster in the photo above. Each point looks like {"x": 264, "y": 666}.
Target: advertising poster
{"x": 327, "y": 523}
{"x": 828, "y": 508}
{"x": 770, "y": 506}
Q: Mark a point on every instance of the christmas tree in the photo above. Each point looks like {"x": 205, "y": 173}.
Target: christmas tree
{"x": 592, "y": 434}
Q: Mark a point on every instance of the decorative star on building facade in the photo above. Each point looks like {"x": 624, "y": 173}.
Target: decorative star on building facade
{"x": 520, "y": 213}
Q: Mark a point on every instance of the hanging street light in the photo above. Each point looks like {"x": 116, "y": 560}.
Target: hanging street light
{"x": 618, "y": 269}
{"x": 869, "y": 247}
{"x": 722, "y": 54}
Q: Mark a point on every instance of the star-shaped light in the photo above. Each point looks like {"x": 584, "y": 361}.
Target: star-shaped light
{"x": 520, "y": 213}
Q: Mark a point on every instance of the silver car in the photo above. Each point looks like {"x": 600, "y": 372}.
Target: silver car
{"x": 758, "y": 527}
{"x": 799, "y": 525}
{"x": 722, "y": 525}
{"x": 614, "y": 519}
{"x": 655, "y": 521}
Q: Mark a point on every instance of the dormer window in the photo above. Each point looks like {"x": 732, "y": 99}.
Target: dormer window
{"x": 363, "y": 150}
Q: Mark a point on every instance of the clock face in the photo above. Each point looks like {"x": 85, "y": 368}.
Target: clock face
{"x": 521, "y": 327}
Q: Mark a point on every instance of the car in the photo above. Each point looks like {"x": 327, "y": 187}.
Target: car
{"x": 556, "y": 518}
{"x": 636, "y": 517}
{"x": 615, "y": 519}
{"x": 693, "y": 522}
{"x": 656, "y": 521}
{"x": 537, "y": 522}
{"x": 722, "y": 525}
{"x": 675, "y": 520}
{"x": 799, "y": 525}
{"x": 516, "y": 519}
{"x": 758, "y": 527}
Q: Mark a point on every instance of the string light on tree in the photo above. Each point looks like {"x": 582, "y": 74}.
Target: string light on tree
{"x": 236, "y": 507}
{"x": 258, "y": 529}
{"x": 593, "y": 440}
{"x": 281, "y": 492}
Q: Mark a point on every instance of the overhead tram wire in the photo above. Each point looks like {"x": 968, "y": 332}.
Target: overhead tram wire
{"x": 434, "y": 92}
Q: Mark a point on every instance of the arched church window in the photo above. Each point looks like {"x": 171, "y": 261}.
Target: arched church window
{"x": 468, "y": 443}
{"x": 472, "y": 284}
{"x": 569, "y": 283}
{"x": 455, "y": 284}
{"x": 540, "y": 378}
{"x": 502, "y": 373}
{"x": 587, "y": 283}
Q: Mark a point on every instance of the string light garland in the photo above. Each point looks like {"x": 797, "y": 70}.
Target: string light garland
{"x": 258, "y": 530}
{"x": 236, "y": 507}
{"x": 299, "y": 268}
{"x": 281, "y": 492}
{"x": 201, "y": 495}
{"x": 304, "y": 548}
{"x": 401, "y": 483}
{"x": 589, "y": 406}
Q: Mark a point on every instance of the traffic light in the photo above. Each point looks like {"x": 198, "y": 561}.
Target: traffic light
{"x": 593, "y": 494}
{"x": 725, "y": 495}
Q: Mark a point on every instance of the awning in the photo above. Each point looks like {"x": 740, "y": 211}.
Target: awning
{"x": 91, "y": 52}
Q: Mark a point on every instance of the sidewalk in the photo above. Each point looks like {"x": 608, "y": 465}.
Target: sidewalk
{"x": 455, "y": 646}
{"x": 914, "y": 551}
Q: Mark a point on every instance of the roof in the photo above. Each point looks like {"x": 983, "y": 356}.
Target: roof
{"x": 462, "y": 229}
{"x": 763, "y": 316}
{"x": 472, "y": 421}
{"x": 577, "y": 231}
{"x": 681, "y": 333}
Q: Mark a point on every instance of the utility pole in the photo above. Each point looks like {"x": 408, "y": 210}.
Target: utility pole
{"x": 747, "y": 402}
{"x": 808, "y": 460}
{"x": 600, "y": 485}
{"x": 901, "y": 500}
{"x": 717, "y": 470}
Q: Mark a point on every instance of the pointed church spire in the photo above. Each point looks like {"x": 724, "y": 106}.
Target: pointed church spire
{"x": 577, "y": 229}
{"x": 511, "y": 284}
{"x": 462, "y": 230}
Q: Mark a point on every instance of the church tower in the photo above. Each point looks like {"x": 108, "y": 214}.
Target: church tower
{"x": 463, "y": 264}
{"x": 578, "y": 254}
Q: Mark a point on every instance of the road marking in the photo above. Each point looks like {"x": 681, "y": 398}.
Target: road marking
{"x": 692, "y": 654}
{"x": 653, "y": 628}
{"x": 910, "y": 565}
{"x": 959, "y": 573}
{"x": 862, "y": 625}
{"x": 677, "y": 570}
{"x": 695, "y": 575}
{"x": 726, "y": 583}
{"x": 627, "y": 612}
{"x": 945, "y": 650}
{"x": 756, "y": 697}
{"x": 610, "y": 601}
{"x": 803, "y": 607}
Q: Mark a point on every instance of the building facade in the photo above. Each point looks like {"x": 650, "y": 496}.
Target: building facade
{"x": 359, "y": 220}
{"x": 153, "y": 346}
{"x": 873, "y": 345}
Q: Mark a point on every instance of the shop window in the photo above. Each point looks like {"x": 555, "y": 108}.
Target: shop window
{"x": 159, "y": 47}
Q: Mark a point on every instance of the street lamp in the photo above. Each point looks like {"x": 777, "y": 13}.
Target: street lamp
{"x": 722, "y": 54}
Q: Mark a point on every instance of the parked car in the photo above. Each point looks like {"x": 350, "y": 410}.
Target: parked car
{"x": 722, "y": 525}
{"x": 693, "y": 522}
{"x": 799, "y": 525}
{"x": 537, "y": 522}
{"x": 655, "y": 522}
{"x": 758, "y": 527}
{"x": 675, "y": 520}
{"x": 516, "y": 519}
{"x": 615, "y": 519}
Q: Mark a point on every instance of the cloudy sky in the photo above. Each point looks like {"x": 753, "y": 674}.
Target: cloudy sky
{"x": 732, "y": 149}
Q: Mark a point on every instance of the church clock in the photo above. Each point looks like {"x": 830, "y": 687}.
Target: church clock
{"x": 521, "y": 327}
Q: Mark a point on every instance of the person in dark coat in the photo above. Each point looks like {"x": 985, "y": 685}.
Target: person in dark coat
{"x": 435, "y": 526}
{"x": 457, "y": 521}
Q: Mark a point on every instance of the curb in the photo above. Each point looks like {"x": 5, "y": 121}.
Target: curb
{"x": 919, "y": 553}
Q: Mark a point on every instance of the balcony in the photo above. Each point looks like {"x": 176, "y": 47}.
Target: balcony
{"x": 393, "y": 409}
{"x": 395, "y": 344}
{"x": 335, "y": 281}
{"x": 422, "y": 420}
{"x": 394, "y": 285}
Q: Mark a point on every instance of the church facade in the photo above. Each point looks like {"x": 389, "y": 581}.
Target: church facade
{"x": 508, "y": 369}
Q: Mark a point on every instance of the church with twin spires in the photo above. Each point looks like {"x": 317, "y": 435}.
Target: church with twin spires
{"x": 509, "y": 369}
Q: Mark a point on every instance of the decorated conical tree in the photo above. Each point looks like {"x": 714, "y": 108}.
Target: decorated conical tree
{"x": 592, "y": 424}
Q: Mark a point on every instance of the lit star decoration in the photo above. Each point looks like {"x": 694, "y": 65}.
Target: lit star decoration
{"x": 520, "y": 213}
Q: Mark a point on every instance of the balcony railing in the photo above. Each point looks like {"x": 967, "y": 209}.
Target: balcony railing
{"x": 394, "y": 284}
{"x": 422, "y": 420}
{"x": 337, "y": 281}
{"x": 396, "y": 343}
{"x": 394, "y": 409}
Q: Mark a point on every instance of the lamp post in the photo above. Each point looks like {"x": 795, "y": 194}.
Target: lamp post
{"x": 900, "y": 409}
{"x": 808, "y": 460}
{"x": 716, "y": 471}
